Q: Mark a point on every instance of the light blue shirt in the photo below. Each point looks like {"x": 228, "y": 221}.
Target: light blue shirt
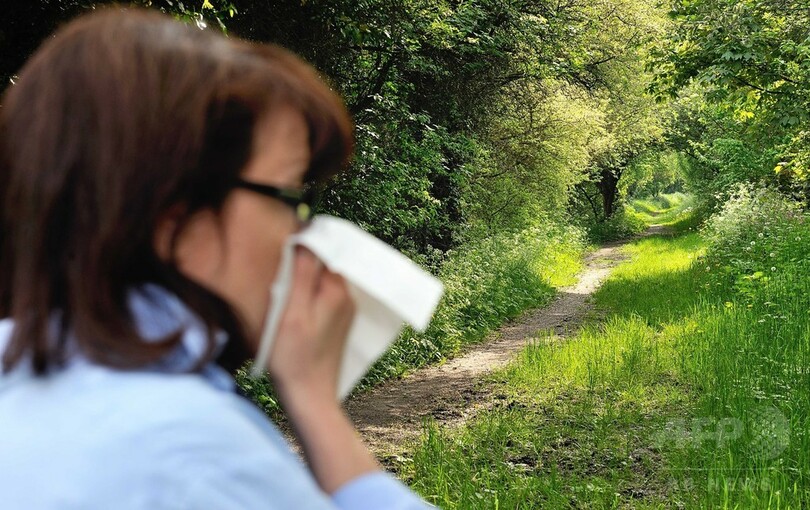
{"x": 92, "y": 437}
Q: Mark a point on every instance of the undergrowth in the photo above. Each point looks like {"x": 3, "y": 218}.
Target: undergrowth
{"x": 624, "y": 223}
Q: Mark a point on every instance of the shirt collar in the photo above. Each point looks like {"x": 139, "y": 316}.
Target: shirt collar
{"x": 158, "y": 313}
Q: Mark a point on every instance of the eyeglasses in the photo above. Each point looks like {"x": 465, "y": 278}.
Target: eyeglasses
{"x": 298, "y": 199}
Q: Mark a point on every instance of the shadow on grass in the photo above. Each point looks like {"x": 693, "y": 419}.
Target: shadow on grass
{"x": 660, "y": 285}
{"x": 657, "y": 298}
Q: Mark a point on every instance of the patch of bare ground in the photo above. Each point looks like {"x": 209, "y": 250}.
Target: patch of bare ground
{"x": 657, "y": 230}
{"x": 389, "y": 417}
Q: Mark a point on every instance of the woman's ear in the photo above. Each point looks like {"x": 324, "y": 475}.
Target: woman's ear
{"x": 167, "y": 232}
{"x": 193, "y": 243}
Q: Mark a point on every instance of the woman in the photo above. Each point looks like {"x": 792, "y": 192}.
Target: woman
{"x": 150, "y": 173}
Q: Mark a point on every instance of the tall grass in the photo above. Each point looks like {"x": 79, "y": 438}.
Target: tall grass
{"x": 749, "y": 346}
{"x": 693, "y": 393}
{"x": 750, "y": 365}
{"x": 574, "y": 422}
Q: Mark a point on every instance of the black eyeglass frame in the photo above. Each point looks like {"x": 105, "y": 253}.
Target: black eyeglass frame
{"x": 301, "y": 200}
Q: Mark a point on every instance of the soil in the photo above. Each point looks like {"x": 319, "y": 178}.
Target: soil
{"x": 389, "y": 417}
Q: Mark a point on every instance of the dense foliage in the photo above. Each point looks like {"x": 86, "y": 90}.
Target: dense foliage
{"x": 473, "y": 118}
{"x": 741, "y": 75}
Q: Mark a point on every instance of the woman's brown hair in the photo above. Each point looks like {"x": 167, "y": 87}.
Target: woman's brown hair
{"x": 123, "y": 115}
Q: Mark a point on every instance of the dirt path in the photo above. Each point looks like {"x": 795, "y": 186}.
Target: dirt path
{"x": 390, "y": 416}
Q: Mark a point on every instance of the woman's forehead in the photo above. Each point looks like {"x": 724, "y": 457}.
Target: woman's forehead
{"x": 281, "y": 152}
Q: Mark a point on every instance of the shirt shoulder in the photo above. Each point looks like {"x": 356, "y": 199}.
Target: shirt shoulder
{"x": 216, "y": 445}
{"x": 99, "y": 438}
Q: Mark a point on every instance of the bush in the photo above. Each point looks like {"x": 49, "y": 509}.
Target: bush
{"x": 623, "y": 224}
{"x": 757, "y": 234}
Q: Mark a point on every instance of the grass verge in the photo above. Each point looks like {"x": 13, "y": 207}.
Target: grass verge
{"x": 683, "y": 397}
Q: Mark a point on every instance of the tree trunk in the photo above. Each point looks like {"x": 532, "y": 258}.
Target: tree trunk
{"x": 609, "y": 188}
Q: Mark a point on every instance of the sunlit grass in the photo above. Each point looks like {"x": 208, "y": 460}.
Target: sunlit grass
{"x": 679, "y": 398}
{"x": 751, "y": 361}
{"x": 574, "y": 425}
{"x": 663, "y": 209}
{"x": 579, "y": 415}
{"x": 657, "y": 284}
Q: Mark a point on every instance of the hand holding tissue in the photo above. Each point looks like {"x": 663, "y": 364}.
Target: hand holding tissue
{"x": 388, "y": 290}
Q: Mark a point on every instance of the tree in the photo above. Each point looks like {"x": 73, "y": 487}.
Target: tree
{"x": 27, "y": 23}
{"x": 471, "y": 117}
{"x": 750, "y": 59}
{"x": 621, "y": 33}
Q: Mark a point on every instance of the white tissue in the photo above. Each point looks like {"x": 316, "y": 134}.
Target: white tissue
{"x": 388, "y": 290}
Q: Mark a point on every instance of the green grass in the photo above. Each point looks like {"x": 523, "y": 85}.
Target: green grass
{"x": 663, "y": 209}
{"x": 681, "y": 397}
{"x": 658, "y": 285}
{"x": 751, "y": 361}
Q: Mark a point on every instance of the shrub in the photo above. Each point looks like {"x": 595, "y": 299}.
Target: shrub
{"x": 623, "y": 224}
{"x": 757, "y": 234}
